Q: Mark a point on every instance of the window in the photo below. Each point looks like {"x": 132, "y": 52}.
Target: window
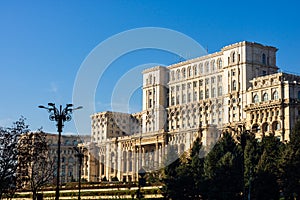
{"x": 265, "y": 97}
{"x": 207, "y": 93}
{"x": 219, "y": 79}
{"x": 213, "y": 66}
{"x": 220, "y": 91}
{"x": 206, "y": 81}
{"x": 220, "y": 63}
{"x": 263, "y": 58}
{"x": 195, "y": 70}
{"x": 183, "y": 73}
{"x": 195, "y": 84}
{"x": 234, "y": 85}
{"x": 275, "y": 95}
{"x": 299, "y": 95}
{"x": 233, "y": 57}
{"x": 189, "y": 71}
{"x": 213, "y": 93}
{"x": 201, "y": 83}
{"x": 207, "y": 67}
{"x": 276, "y": 126}
{"x": 183, "y": 98}
{"x": 189, "y": 97}
{"x": 265, "y": 127}
{"x": 173, "y": 75}
{"x": 178, "y": 74}
{"x": 255, "y": 99}
{"x": 195, "y": 96}
{"x": 177, "y": 99}
{"x": 201, "y": 94}
{"x": 201, "y": 68}
{"x": 172, "y": 101}
{"x": 213, "y": 79}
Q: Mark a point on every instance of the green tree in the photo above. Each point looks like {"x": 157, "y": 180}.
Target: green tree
{"x": 265, "y": 182}
{"x": 223, "y": 170}
{"x": 290, "y": 166}
{"x": 9, "y": 155}
{"x": 171, "y": 162}
{"x": 196, "y": 164}
{"x": 252, "y": 155}
{"x": 184, "y": 176}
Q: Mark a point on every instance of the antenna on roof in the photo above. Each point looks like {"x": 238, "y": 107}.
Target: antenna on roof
{"x": 207, "y": 49}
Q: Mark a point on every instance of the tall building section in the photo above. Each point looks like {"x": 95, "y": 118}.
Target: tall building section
{"x": 237, "y": 86}
{"x": 273, "y": 105}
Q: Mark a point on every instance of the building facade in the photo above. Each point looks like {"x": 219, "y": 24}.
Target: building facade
{"x": 237, "y": 86}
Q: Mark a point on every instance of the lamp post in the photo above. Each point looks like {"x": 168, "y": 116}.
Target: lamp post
{"x": 80, "y": 157}
{"x": 60, "y": 116}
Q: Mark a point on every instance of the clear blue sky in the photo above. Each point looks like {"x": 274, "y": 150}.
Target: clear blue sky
{"x": 43, "y": 43}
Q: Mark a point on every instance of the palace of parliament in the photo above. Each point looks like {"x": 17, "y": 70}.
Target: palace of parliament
{"x": 239, "y": 86}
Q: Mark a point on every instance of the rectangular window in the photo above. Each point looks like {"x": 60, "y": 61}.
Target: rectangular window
{"x": 195, "y": 83}
{"x": 201, "y": 83}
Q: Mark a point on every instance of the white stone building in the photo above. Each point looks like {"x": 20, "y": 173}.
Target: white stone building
{"x": 237, "y": 86}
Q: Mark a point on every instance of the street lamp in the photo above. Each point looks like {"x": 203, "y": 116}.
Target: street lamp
{"x": 80, "y": 156}
{"x": 60, "y": 116}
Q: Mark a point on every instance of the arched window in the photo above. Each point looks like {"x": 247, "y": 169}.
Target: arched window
{"x": 195, "y": 70}
{"x": 233, "y": 57}
{"x": 189, "y": 71}
{"x": 220, "y": 63}
{"x": 207, "y": 67}
{"x": 265, "y": 127}
{"x": 201, "y": 68}
{"x": 234, "y": 85}
{"x": 213, "y": 66}
{"x": 255, "y": 128}
{"x": 183, "y": 73}
{"x": 173, "y": 75}
{"x": 265, "y": 97}
{"x": 263, "y": 58}
{"x": 275, "y": 95}
{"x": 275, "y": 126}
{"x": 178, "y": 74}
{"x": 255, "y": 98}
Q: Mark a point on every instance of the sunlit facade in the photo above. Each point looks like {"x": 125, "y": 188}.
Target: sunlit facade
{"x": 239, "y": 86}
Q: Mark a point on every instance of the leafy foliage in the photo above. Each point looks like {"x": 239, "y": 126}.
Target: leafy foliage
{"x": 9, "y": 155}
{"x": 289, "y": 165}
{"x": 236, "y": 168}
